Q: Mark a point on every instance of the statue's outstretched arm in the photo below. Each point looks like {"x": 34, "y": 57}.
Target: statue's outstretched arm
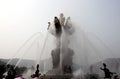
{"x": 48, "y": 25}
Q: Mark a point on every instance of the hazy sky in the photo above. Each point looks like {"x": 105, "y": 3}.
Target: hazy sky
{"x": 20, "y": 19}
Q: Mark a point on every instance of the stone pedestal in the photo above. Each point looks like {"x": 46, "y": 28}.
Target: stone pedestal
{"x": 66, "y": 61}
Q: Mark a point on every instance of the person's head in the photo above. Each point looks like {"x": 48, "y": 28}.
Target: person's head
{"x": 104, "y": 64}
{"x": 37, "y": 66}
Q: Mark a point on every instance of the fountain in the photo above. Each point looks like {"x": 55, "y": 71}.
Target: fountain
{"x": 69, "y": 58}
{"x": 62, "y": 54}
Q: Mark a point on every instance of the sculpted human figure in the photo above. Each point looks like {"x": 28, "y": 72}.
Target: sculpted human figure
{"x": 58, "y": 27}
{"x": 62, "y": 19}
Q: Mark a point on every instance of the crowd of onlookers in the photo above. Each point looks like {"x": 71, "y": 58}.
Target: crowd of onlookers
{"x": 12, "y": 74}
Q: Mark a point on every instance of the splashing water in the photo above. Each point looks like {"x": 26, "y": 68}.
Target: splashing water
{"x": 84, "y": 51}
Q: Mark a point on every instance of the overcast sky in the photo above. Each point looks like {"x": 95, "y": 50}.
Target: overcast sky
{"x": 20, "y": 19}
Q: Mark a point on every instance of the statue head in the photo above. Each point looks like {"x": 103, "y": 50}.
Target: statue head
{"x": 56, "y": 19}
{"x": 61, "y": 14}
{"x": 49, "y": 23}
{"x": 68, "y": 18}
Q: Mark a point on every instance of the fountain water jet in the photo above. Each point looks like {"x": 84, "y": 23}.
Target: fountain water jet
{"x": 63, "y": 55}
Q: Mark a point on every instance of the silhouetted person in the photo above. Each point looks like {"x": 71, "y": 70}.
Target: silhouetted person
{"x": 2, "y": 71}
{"x": 57, "y": 26}
{"x": 11, "y": 73}
{"x": 37, "y": 74}
{"x": 107, "y": 72}
{"x": 37, "y": 71}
